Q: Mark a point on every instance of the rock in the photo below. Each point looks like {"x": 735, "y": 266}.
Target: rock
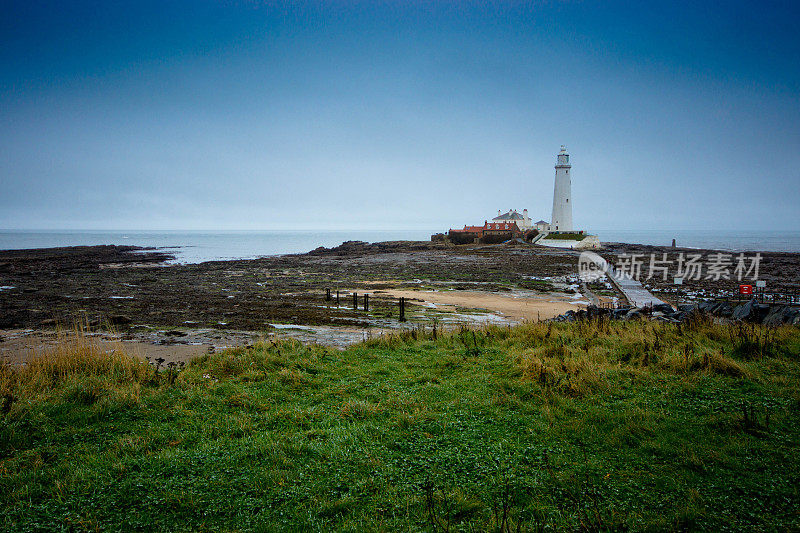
{"x": 752, "y": 311}
{"x": 633, "y": 314}
{"x": 705, "y": 306}
{"x": 782, "y": 314}
{"x": 723, "y": 309}
{"x": 687, "y": 308}
{"x": 762, "y": 310}
{"x": 663, "y": 308}
{"x": 681, "y": 316}
{"x": 744, "y": 311}
{"x": 119, "y": 320}
{"x": 775, "y": 316}
{"x": 174, "y": 333}
{"x": 620, "y": 313}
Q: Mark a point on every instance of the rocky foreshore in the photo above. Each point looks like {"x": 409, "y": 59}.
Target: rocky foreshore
{"x": 750, "y": 311}
{"x": 133, "y": 289}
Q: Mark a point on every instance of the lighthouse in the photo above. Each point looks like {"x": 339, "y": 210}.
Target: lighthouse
{"x": 562, "y": 194}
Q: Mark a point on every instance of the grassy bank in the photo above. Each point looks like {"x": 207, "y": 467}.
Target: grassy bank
{"x": 563, "y": 426}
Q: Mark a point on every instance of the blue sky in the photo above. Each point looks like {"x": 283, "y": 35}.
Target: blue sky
{"x": 392, "y": 115}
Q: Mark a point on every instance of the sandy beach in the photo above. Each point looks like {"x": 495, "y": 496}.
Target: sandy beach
{"x": 516, "y": 306}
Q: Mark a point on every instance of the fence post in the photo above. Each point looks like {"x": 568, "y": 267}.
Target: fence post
{"x": 355, "y": 301}
{"x": 366, "y": 302}
{"x": 337, "y": 298}
{"x": 402, "y": 309}
{"x": 327, "y": 295}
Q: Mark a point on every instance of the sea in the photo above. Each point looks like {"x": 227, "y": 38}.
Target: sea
{"x": 199, "y": 246}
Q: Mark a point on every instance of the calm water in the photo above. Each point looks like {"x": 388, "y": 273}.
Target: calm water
{"x": 194, "y": 247}
{"x": 737, "y": 241}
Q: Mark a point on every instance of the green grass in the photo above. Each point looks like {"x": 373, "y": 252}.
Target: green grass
{"x": 564, "y": 426}
{"x": 565, "y": 236}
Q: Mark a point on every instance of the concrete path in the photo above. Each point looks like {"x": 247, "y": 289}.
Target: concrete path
{"x": 633, "y": 290}
{"x": 592, "y": 297}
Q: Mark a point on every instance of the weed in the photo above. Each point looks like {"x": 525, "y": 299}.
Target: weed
{"x": 604, "y": 426}
{"x": 753, "y": 420}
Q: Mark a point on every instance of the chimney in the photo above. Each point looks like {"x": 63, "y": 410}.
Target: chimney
{"x": 498, "y": 212}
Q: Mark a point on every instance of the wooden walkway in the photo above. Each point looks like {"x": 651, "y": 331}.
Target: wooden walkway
{"x": 633, "y": 290}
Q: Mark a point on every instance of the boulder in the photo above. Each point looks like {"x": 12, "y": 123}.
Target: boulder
{"x": 706, "y": 306}
{"x": 723, "y": 309}
{"x": 620, "y": 313}
{"x": 752, "y": 311}
{"x": 782, "y": 314}
{"x": 663, "y": 308}
{"x": 775, "y": 316}
{"x": 633, "y": 314}
{"x": 680, "y": 316}
{"x": 744, "y": 311}
{"x": 593, "y": 311}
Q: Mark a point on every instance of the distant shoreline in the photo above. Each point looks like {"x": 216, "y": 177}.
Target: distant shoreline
{"x": 196, "y": 247}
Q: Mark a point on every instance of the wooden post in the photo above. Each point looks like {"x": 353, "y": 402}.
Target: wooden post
{"x": 402, "y": 309}
{"x": 327, "y": 295}
{"x": 355, "y": 301}
{"x": 366, "y": 302}
{"x": 337, "y": 298}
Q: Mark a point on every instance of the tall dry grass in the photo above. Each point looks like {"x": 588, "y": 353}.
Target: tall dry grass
{"x": 695, "y": 347}
{"x": 75, "y": 356}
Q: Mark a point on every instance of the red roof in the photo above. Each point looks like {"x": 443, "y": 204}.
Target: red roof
{"x": 501, "y": 226}
{"x": 468, "y": 229}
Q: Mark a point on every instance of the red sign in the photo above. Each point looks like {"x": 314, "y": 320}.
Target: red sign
{"x": 745, "y": 289}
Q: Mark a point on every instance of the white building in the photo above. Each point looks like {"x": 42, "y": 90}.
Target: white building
{"x": 522, "y": 221}
{"x": 562, "y": 195}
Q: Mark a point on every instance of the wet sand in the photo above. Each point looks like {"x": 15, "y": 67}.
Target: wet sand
{"x": 516, "y": 306}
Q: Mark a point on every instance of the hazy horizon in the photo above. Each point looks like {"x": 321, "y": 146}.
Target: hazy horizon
{"x": 256, "y": 116}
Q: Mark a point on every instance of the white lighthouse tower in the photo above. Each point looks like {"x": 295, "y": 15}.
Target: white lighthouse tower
{"x": 562, "y": 194}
